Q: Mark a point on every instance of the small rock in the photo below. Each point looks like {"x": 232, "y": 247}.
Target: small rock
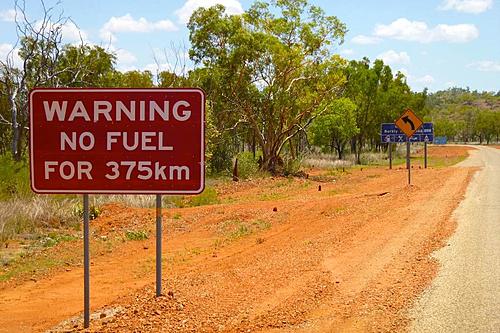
{"x": 180, "y": 307}
{"x": 102, "y": 315}
{"x": 275, "y": 209}
{"x": 145, "y": 247}
{"x": 319, "y": 188}
{"x": 170, "y": 293}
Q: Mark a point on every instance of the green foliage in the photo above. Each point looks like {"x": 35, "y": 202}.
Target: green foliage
{"x": 379, "y": 97}
{"x": 464, "y": 115}
{"x": 14, "y": 178}
{"x": 94, "y": 211}
{"x": 136, "y": 235}
{"x": 247, "y": 165}
{"x": 207, "y": 197}
{"x": 54, "y": 238}
{"x": 336, "y": 126}
{"x": 130, "y": 79}
{"x": 267, "y": 71}
{"x": 85, "y": 66}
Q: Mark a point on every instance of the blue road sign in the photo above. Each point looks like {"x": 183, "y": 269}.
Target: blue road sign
{"x": 440, "y": 140}
{"x": 391, "y": 133}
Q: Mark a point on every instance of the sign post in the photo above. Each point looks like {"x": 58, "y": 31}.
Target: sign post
{"x": 120, "y": 141}
{"x": 408, "y": 166}
{"x": 425, "y": 155}
{"x": 390, "y": 155}
{"x": 86, "y": 263}
{"x": 409, "y": 123}
{"x": 158, "y": 244}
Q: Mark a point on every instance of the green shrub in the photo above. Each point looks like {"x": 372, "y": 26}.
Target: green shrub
{"x": 54, "y": 238}
{"x": 247, "y": 165}
{"x": 94, "y": 211}
{"x": 207, "y": 197}
{"x": 136, "y": 235}
{"x": 14, "y": 178}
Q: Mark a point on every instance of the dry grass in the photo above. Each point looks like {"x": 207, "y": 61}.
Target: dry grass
{"x": 326, "y": 161}
{"x": 30, "y": 214}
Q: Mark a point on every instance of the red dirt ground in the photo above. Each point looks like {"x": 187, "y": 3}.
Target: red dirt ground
{"x": 276, "y": 255}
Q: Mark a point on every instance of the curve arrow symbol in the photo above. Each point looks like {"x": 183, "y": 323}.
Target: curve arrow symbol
{"x": 407, "y": 120}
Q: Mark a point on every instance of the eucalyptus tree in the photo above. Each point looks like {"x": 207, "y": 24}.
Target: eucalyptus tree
{"x": 41, "y": 59}
{"x": 269, "y": 70}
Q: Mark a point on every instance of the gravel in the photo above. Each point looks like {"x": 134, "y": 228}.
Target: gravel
{"x": 465, "y": 296}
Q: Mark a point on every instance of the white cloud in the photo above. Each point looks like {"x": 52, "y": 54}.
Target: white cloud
{"x": 154, "y": 68}
{"x": 124, "y": 58}
{"x": 127, "y": 23}
{"x": 392, "y": 57}
{"x": 347, "y": 52}
{"x": 485, "y": 66}
{"x": 8, "y": 53}
{"x": 184, "y": 13}
{"x": 417, "y": 31}
{"x": 426, "y": 79}
{"x": 365, "y": 40}
{"x": 8, "y": 15}
{"x": 467, "y": 6}
{"x": 70, "y": 32}
{"x": 405, "y": 72}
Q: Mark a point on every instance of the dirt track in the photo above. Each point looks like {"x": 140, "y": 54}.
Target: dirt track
{"x": 352, "y": 257}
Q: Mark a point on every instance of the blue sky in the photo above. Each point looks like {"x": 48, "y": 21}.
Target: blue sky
{"x": 437, "y": 43}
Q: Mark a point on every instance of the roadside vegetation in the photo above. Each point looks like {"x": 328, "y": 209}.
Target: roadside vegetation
{"x": 279, "y": 99}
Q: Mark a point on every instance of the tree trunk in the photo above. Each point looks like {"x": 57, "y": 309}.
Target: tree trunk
{"x": 16, "y": 129}
{"x": 253, "y": 145}
{"x": 292, "y": 149}
{"x": 358, "y": 150}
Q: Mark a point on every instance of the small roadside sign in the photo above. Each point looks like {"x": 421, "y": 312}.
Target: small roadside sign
{"x": 390, "y": 133}
{"x": 409, "y": 123}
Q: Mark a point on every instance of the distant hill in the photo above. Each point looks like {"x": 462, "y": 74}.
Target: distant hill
{"x": 464, "y": 115}
{"x": 464, "y": 97}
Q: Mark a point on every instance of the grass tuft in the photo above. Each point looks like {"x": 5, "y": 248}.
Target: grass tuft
{"x": 136, "y": 235}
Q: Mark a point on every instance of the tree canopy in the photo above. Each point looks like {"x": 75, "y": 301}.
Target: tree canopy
{"x": 268, "y": 70}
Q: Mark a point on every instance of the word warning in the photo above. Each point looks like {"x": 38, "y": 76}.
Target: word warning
{"x": 148, "y": 141}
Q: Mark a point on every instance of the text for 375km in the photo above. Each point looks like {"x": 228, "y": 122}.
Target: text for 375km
{"x": 128, "y": 170}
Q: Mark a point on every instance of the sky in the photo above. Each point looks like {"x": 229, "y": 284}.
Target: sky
{"x": 437, "y": 44}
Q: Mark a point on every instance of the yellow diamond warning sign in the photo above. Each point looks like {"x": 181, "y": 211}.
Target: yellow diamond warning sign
{"x": 409, "y": 123}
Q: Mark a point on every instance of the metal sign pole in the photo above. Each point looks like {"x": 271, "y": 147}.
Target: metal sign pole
{"x": 390, "y": 155}
{"x": 86, "y": 263}
{"x": 425, "y": 155}
{"x": 408, "y": 160}
{"x": 158, "y": 245}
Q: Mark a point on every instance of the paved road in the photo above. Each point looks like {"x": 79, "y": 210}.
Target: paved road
{"x": 465, "y": 296}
